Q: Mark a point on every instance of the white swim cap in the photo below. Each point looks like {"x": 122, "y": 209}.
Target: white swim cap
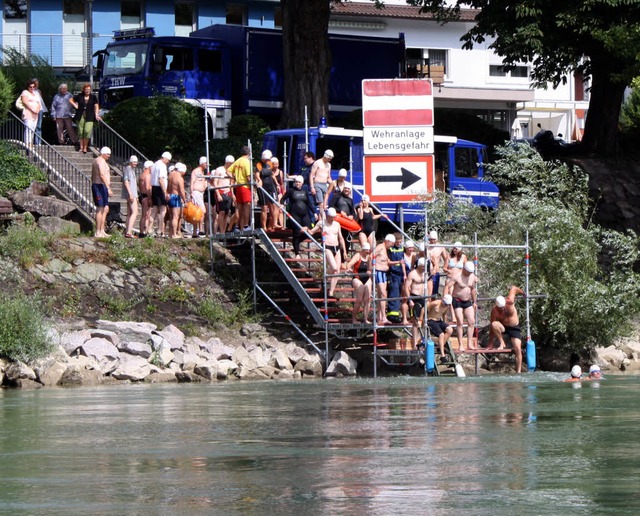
{"x": 342, "y": 172}
{"x": 105, "y": 150}
{"x": 410, "y": 243}
{"x": 203, "y": 160}
{"x": 420, "y": 262}
{"x": 595, "y": 368}
{"x": 133, "y": 159}
{"x": 501, "y": 301}
{"x": 457, "y": 245}
{"x": 229, "y": 159}
{"x": 148, "y": 164}
{"x": 469, "y": 267}
{"x": 328, "y": 153}
{"x": 331, "y": 212}
{"x": 433, "y": 235}
{"x": 390, "y": 238}
{"x": 576, "y": 372}
{"x": 366, "y": 247}
{"x": 298, "y": 179}
{"x": 266, "y": 154}
{"x": 365, "y": 197}
{"x": 181, "y": 167}
{"x": 447, "y": 299}
{"x": 166, "y": 155}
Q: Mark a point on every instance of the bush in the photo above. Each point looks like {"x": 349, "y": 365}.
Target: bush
{"x": 16, "y": 173}
{"x": 23, "y": 334}
{"x": 7, "y": 97}
{"x": 27, "y": 244}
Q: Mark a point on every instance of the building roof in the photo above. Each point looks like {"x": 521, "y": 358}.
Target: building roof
{"x": 391, "y": 11}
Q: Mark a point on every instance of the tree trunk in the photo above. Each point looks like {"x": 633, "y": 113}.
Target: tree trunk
{"x": 307, "y": 60}
{"x": 601, "y": 126}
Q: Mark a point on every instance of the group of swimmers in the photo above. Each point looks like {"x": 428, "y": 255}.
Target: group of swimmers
{"x": 576, "y": 374}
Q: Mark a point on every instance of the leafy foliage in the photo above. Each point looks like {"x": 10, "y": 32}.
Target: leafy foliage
{"x": 174, "y": 125}
{"x": 27, "y": 244}
{"x": 630, "y": 114}
{"x": 16, "y": 173}
{"x": 23, "y": 334}
{"x": 6, "y": 94}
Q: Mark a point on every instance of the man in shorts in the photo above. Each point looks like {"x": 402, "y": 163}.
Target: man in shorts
{"x": 320, "y": 177}
{"x": 144, "y": 195}
{"x": 462, "y": 288}
{"x": 224, "y": 196}
{"x": 381, "y": 268}
{"x": 101, "y": 189}
{"x": 417, "y": 289}
{"x": 177, "y": 198}
{"x": 159, "y": 194}
{"x": 438, "y": 327}
{"x": 241, "y": 172}
{"x": 197, "y": 188}
{"x": 504, "y": 321}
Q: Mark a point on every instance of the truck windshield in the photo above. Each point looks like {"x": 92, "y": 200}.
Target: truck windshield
{"x": 125, "y": 59}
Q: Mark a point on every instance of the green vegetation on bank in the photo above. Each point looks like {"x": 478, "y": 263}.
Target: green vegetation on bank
{"x": 16, "y": 173}
{"x": 23, "y": 332}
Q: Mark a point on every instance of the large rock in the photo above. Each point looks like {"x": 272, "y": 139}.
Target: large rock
{"x": 111, "y": 336}
{"x": 140, "y": 349}
{"x": 244, "y": 373}
{"x": 244, "y": 360}
{"x": 56, "y": 226}
{"x": 42, "y": 206}
{"x": 75, "y": 375}
{"x": 132, "y": 368}
{"x": 18, "y": 371}
{"x": 72, "y": 340}
{"x": 127, "y": 330}
{"x": 281, "y": 360}
{"x": 187, "y": 377}
{"x": 103, "y": 351}
{"x": 50, "y": 369}
{"x": 215, "y": 347}
{"x": 161, "y": 377}
{"x": 173, "y": 336}
{"x": 226, "y": 368}
{"x": 208, "y": 370}
{"x": 309, "y": 366}
{"x": 295, "y": 353}
{"x": 611, "y": 355}
{"x": 342, "y": 365}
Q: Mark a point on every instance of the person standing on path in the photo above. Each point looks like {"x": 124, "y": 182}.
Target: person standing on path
{"x": 101, "y": 189}
{"x": 130, "y": 194}
{"x": 61, "y": 112}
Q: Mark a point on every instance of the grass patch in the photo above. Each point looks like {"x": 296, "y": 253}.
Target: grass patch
{"x": 218, "y": 313}
{"x": 23, "y": 333}
{"x": 174, "y": 293}
{"x": 27, "y": 244}
{"x": 145, "y": 252}
{"x": 117, "y": 305}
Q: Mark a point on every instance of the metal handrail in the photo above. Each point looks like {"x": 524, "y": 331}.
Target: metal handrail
{"x": 66, "y": 178}
{"x": 121, "y": 150}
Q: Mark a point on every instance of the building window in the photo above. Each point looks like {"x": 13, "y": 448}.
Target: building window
{"x": 427, "y": 62}
{"x": 73, "y": 7}
{"x": 15, "y": 9}
{"x": 500, "y": 71}
{"x": 185, "y": 13}
{"x": 236, "y": 14}
{"x": 130, "y": 14}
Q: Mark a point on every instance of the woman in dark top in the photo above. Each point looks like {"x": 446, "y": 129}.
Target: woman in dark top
{"x": 361, "y": 267}
{"x": 87, "y": 109}
{"x": 300, "y": 205}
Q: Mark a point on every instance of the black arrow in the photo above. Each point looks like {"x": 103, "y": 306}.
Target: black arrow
{"x": 407, "y": 178}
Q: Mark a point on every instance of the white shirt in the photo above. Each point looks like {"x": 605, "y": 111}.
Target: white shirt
{"x": 159, "y": 171}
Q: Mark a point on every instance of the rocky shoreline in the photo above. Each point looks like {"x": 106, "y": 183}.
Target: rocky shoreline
{"x": 125, "y": 352}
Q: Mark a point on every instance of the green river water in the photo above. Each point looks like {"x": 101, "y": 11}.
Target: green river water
{"x": 526, "y": 444}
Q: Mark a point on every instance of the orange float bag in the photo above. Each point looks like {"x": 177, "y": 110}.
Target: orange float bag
{"x": 192, "y": 213}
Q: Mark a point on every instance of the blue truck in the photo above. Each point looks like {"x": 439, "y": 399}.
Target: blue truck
{"x": 234, "y": 69}
{"x": 458, "y": 165}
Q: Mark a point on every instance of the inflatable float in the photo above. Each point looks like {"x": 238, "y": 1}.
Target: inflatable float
{"x": 348, "y": 224}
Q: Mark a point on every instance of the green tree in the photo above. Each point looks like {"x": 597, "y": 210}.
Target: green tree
{"x": 630, "y": 115}
{"x": 22, "y": 67}
{"x": 7, "y": 97}
{"x": 597, "y": 38}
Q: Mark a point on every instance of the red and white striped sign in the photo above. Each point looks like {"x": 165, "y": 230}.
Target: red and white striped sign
{"x": 397, "y": 102}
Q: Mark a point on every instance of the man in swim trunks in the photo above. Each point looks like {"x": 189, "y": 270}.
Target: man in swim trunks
{"x": 101, "y": 189}
{"x": 320, "y": 177}
{"x": 334, "y": 244}
{"x": 438, "y": 327}
{"x": 224, "y": 196}
{"x": 197, "y": 187}
{"x": 381, "y": 266}
{"x": 438, "y": 254}
{"x": 504, "y": 320}
{"x": 462, "y": 288}
{"x": 417, "y": 289}
{"x": 177, "y": 198}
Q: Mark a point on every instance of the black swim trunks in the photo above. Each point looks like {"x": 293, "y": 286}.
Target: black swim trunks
{"x": 513, "y": 332}
{"x": 437, "y": 328}
{"x": 333, "y": 248}
{"x": 418, "y": 306}
{"x": 459, "y": 303}
{"x": 157, "y": 196}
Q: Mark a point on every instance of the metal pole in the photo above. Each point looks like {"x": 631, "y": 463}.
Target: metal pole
{"x": 90, "y": 40}
{"x": 253, "y": 240}
{"x": 526, "y": 285}
{"x": 373, "y": 311}
{"x": 306, "y": 130}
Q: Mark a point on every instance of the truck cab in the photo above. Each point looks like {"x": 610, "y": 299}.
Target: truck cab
{"x": 459, "y": 164}
{"x": 138, "y": 64}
